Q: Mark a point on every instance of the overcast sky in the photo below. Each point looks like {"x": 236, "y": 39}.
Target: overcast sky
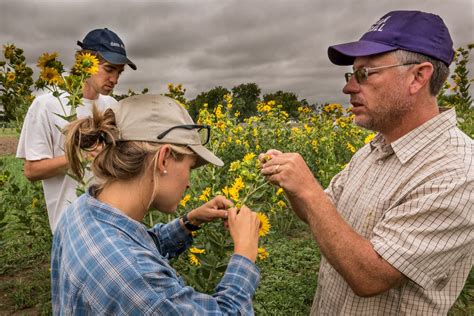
{"x": 280, "y": 45}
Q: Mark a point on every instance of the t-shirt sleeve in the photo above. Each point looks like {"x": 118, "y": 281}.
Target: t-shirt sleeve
{"x": 36, "y": 141}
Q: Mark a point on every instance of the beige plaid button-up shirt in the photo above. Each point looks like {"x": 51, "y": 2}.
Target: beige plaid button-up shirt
{"x": 414, "y": 201}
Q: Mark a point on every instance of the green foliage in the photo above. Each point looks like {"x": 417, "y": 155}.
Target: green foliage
{"x": 212, "y": 98}
{"x": 23, "y": 213}
{"x": 246, "y": 96}
{"x": 465, "y": 303}
{"x": 177, "y": 92}
{"x": 288, "y": 100}
{"x": 456, "y": 94}
{"x": 130, "y": 92}
{"x": 15, "y": 84}
{"x": 32, "y": 290}
{"x": 8, "y": 132}
{"x": 288, "y": 276}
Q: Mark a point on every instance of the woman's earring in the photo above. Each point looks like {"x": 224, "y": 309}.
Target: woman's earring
{"x": 165, "y": 171}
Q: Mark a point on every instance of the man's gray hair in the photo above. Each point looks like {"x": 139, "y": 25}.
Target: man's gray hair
{"x": 440, "y": 70}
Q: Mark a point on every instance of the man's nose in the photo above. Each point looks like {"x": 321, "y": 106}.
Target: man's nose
{"x": 352, "y": 86}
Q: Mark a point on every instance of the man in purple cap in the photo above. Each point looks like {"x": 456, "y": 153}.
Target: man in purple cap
{"x": 41, "y": 142}
{"x": 395, "y": 227}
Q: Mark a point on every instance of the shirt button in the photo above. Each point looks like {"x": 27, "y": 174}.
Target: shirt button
{"x": 380, "y": 162}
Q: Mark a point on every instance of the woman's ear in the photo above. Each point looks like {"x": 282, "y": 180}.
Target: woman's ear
{"x": 164, "y": 155}
{"x": 421, "y": 77}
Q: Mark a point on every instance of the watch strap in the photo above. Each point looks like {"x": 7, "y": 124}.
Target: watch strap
{"x": 188, "y": 224}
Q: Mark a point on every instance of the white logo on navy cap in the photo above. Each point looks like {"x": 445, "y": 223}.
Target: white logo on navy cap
{"x": 117, "y": 44}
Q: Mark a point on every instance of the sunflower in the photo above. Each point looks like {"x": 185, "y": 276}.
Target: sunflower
{"x": 205, "y": 194}
{"x": 281, "y": 204}
{"x": 197, "y": 250}
{"x": 264, "y": 224}
{"x": 9, "y": 50}
{"x": 262, "y": 253}
{"x": 185, "y": 200}
{"x": 45, "y": 60}
{"x": 87, "y": 63}
{"x": 249, "y": 156}
{"x": 369, "y": 138}
{"x": 193, "y": 260}
{"x": 10, "y": 76}
{"x": 51, "y": 76}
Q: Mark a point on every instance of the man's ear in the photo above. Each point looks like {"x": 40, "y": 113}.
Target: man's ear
{"x": 421, "y": 77}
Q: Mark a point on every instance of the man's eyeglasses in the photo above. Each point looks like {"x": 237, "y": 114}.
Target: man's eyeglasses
{"x": 203, "y": 130}
{"x": 362, "y": 74}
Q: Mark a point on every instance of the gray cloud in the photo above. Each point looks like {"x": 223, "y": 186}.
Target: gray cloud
{"x": 280, "y": 45}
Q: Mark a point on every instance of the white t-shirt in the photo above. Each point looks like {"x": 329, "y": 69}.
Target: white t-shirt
{"x": 41, "y": 138}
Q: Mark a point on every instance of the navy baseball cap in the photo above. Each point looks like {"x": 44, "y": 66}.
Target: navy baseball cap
{"x": 413, "y": 31}
{"x": 108, "y": 45}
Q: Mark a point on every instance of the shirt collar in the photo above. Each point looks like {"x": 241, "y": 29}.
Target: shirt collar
{"x": 114, "y": 216}
{"x": 410, "y": 144}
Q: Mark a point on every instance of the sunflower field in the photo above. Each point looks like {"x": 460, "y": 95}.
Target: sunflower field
{"x": 288, "y": 257}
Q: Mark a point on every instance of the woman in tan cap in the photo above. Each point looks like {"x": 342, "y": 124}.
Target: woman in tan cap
{"x": 104, "y": 260}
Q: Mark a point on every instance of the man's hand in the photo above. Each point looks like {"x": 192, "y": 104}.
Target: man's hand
{"x": 289, "y": 171}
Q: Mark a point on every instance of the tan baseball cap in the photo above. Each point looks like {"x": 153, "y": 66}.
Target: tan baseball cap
{"x": 160, "y": 119}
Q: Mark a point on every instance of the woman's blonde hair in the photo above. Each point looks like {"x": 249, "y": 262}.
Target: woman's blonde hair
{"x": 116, "y": 160}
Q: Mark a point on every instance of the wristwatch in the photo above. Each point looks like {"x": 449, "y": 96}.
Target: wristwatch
{"x": 188, "y": 224}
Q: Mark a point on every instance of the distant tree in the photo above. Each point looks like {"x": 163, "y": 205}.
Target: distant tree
{"x": 130, "y": 92}
{"x": 459, "y": 96}
{"x": 288, "y": 100}
{"x": 16, "y": 83}
{"x": 246, "y": 96}
{"x": 177, "y": 92}
{"x": 456, "y": 94}
{"x": 212, "y": 98}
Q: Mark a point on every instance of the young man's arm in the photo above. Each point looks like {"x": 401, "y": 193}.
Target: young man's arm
{"x": 45, "y": 168}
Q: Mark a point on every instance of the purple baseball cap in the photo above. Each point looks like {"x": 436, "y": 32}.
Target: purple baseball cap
{"x": 413, "y": 31}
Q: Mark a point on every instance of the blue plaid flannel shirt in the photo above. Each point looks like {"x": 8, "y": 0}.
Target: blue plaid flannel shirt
{"x": 104, "y": 262}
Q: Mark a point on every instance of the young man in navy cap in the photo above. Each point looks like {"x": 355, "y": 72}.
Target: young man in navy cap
{"x": 41, "y": 142}
{"x": 395, "y": 226}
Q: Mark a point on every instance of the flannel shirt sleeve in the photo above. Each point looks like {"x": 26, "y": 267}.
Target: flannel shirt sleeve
{"x": 172, "y": 238}
{"x": 233, "y": 294}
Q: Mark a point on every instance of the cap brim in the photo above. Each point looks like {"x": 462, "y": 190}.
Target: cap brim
{"x": 344, "y": 54}
{"x": 117, "y": 59}
{"x": 205, "y": 156}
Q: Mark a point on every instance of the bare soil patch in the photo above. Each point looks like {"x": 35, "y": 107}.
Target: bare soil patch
{"x": 8, "y": 145}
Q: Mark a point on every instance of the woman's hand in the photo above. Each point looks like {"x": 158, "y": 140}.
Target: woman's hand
{"x": 244, "y": 228}
{"x": 215, "y": 208}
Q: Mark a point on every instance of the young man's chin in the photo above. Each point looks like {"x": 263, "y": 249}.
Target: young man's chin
{"x": 107, "y": 91}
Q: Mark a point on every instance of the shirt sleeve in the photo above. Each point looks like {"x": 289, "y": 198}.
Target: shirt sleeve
{"x": 233, "y": 295}
{"x": 36, "y": 141}
{"x": 336, "y": 186}
{"x": 172, "y": 238}
{"x": 429, "y": 230}
{"x": 124, "y": 280}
